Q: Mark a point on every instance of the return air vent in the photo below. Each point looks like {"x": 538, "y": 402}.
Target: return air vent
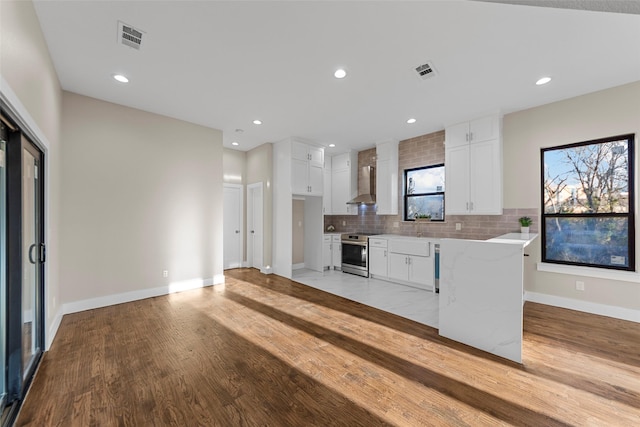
{"x": 129, "y": 36}
{"x": 425, "y": 70}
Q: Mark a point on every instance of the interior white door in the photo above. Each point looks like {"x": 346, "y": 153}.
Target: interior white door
{"x": 232, "y": 218}
{"x": 255, "y": 226}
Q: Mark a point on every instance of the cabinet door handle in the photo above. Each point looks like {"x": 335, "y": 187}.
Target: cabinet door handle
{"x": 409, "y": 258}
{"x": 471, "y": 136}
{"x": 466, "y": 136}
{"x": 467, "y": 206}
{"x": 406, "y": 260}
{"x": 385, "y": 254}
{"x": 471, "y": 205}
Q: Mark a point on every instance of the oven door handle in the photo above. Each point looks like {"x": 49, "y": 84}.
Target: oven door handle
{"x": 354, "y": 243}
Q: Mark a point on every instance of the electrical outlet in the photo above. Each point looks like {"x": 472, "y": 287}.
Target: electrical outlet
{"x": 579, "y": 285}
{"x": 458, "y": 226}
{"x": 165, "y": 273}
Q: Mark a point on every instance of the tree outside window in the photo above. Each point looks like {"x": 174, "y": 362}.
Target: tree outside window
{"x": 424, "y": 193}
{"x": 587, "y": 203}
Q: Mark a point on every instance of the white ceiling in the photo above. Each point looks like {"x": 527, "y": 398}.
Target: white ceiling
{"x": 224, "y": 64}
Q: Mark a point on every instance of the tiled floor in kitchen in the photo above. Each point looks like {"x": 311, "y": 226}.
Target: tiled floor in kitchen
{"x": 412, "y": 303}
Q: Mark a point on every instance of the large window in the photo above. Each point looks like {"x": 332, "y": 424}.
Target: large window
{"x": 424, "y": 193}
{"x": 587, "y": 203}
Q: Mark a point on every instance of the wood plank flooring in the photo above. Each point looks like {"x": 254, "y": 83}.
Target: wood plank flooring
{"x": 266, "y": 351}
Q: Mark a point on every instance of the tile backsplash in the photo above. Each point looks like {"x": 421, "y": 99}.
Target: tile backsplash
{"x": 480, "y": 227}
{"x": 416, "y": 152}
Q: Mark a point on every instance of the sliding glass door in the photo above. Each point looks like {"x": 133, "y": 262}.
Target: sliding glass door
{"x": 22, "y": 257}
{"x": 33, "y": 257}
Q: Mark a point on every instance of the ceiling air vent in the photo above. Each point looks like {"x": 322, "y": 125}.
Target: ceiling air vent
{"x": 425, "y": 70}
{"x": 129, "y": 35}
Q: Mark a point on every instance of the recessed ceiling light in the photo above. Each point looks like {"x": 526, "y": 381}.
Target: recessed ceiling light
{"x": 543, "y": 81}
{"x": 411, "y": 121}
{"x": 340, "y": 73}
{"x": 235, "y": 143}
{"x": 121, "y": 78}
{"x": 332, "y": 145}
{"x": 257, "y": 122}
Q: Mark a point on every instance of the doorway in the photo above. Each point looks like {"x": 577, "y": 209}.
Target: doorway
{"x": 22, "y": 263}
{"x": 255, "y": 224}
{"x": 232, "y": 219}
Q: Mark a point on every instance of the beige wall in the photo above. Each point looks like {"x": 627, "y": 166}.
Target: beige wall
{"x": 234, "y": 166}
{"x": 601, "y": 114}
{"x": 142, "y": 194}
{"x": 260, "y": 169}
{"x": 27, "y": 69}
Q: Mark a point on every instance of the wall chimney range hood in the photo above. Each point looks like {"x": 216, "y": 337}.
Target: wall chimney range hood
{"x": 368, "y": 186}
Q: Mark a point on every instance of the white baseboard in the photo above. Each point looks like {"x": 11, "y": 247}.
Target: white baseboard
{"x": 299, "y": 266}
{"x": 266, "y": 270}
{"x": 107, "y": 300}
{"x": 585, "y": 306}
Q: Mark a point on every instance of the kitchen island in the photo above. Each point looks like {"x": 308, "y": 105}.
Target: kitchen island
{"x": 481, "y": 292}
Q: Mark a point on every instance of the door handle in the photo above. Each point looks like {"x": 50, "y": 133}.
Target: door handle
{"x": 252, "y": 231}
{"x": 43, "y": 253}
{"x": 31, "y": 248}
{"x": 237, "y": 231}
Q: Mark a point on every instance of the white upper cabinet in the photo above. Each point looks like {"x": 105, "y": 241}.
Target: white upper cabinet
{"x": 473, "y": 167}
{"x": 387, "y": 178}
{"x": 307, "y": 169}
{"x": 344, "y": 183}
{"x": 479, "y": 130}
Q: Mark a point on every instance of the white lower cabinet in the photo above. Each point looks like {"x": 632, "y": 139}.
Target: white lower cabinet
{"x": 326, "y": 252}
{"x": 398, "y": 267}
{"x": 332, "y": 252}
{"x": 378, "y": 261}
{"x": 336, "y": 252}
{"x": 411, "y": 262}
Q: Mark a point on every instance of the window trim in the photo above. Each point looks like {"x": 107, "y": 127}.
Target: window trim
{"x": 630, "y": 215}
{"x": 405, "y": 196}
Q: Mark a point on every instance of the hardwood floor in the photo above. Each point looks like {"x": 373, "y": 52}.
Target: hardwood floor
{"x": 263, "y": 350}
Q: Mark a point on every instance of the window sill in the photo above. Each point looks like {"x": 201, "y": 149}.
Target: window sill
{"x": 623, "y": 276}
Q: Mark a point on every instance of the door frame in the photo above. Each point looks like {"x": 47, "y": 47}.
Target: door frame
{"x": 251, "y": 188}
{"x": 15, "y": 110}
